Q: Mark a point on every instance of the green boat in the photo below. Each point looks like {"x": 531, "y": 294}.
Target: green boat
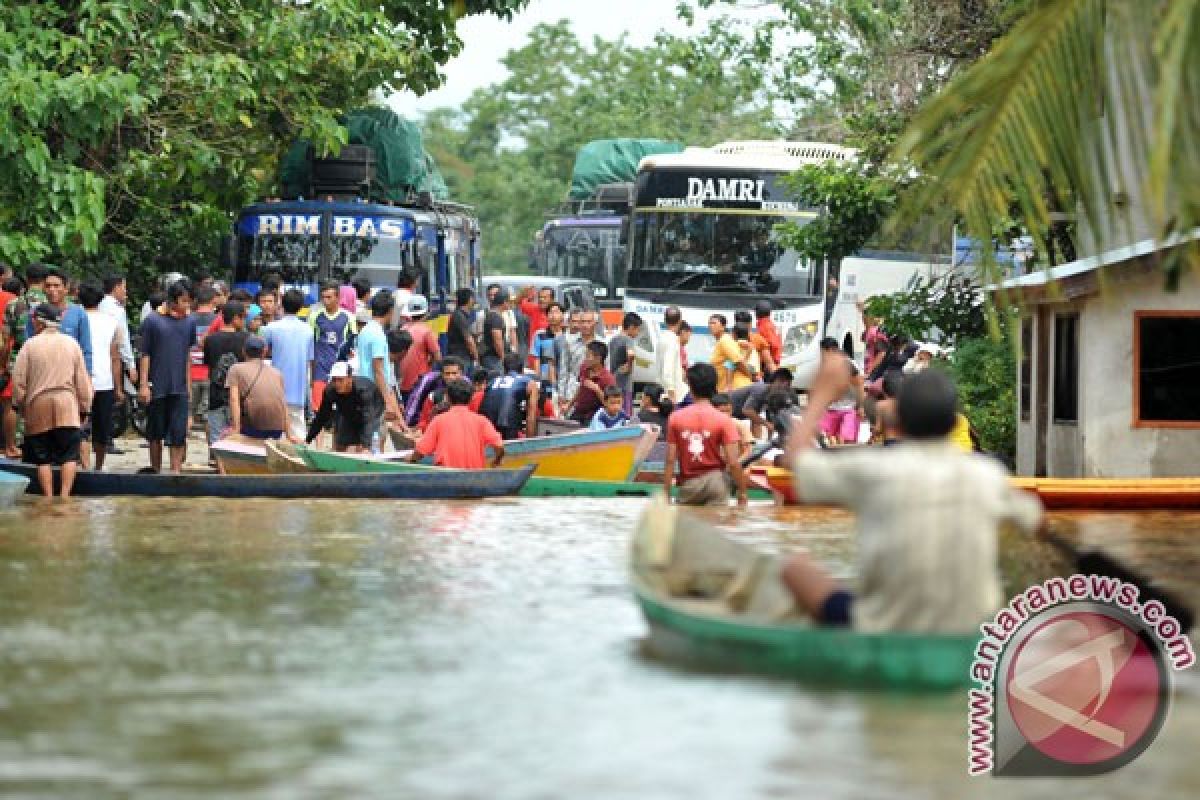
{"x": 324, "y": 461}
{"x": 716, "y": 603}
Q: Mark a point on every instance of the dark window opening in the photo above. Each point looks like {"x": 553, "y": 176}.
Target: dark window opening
{"x": 1026, "y": 367}
{"x": 1168, "y": 369}
{"x": 1066, "y": 368}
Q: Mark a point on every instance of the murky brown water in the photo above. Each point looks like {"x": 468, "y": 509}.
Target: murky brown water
{"x": 327, "y": 649}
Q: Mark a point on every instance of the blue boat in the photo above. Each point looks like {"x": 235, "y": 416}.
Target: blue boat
{"x": 450, "y": 483}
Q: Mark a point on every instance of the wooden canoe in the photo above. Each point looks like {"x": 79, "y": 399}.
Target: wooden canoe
{"x": 240, "y": 455}
{"x": 715, "y": 603}
{"x": 1081, "y": 494}
{"x": 609, "y": 455}
{"x": 324, "y": 461}
{"x": 445, "y": 484}
{"x": 282, "y": 459}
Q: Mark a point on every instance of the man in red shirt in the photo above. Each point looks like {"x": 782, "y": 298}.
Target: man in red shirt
{"x": 536, "y": 309}
{"x": 458, "y": 437}
{"x": 766, "y": 329}
{"x": 594, "y": 378}
{"x": 704, "y": 443}
{"x": 424, "y": 351}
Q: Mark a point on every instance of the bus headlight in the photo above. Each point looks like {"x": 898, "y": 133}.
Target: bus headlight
{"x": 798, "y": 338}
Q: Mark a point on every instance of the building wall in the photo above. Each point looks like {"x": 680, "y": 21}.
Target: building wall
{"x": 1112, "y": 446}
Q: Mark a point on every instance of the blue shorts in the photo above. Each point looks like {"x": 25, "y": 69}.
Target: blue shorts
{"x": 167, "y": 420}
{"x": 835, "y": 611}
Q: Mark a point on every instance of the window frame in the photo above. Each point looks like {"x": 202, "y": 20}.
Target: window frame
{"x": 1138, "y": 422}
{"x": 1025, "y": 371}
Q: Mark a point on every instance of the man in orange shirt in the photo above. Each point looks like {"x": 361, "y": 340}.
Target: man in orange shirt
{"x": 766, "y": 329}
{"x": 758, "y": 342}
{"x": 458, "y": 437}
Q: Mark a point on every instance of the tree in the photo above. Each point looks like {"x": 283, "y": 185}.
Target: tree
{"x": 510, "y": 150}
{"x": 130, "y": 130}
{"x": 1083, "y": 104}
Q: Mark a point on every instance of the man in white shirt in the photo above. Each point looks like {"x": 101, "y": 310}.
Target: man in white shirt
{"x": 667, "y": 361}
{"x": 107, "y": 336}
{"x": 928, "y": 516}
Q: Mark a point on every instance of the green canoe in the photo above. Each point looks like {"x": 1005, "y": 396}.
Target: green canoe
{"x": 715, "y": 603}
{"x": 324, "y": 461}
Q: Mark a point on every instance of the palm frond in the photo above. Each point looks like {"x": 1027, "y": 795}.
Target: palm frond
{"x": 1087, "y": 106}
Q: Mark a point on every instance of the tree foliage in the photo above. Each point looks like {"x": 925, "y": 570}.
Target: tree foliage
{"x": 130, "y": 129}
{"x": 947, "y": 309}
{"x": 509, "y": 151}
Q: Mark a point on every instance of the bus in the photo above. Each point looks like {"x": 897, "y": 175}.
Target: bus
{"x": 701, "y": 237}
{"x": 307, "y": 242}
{"x": 584, "y": 241}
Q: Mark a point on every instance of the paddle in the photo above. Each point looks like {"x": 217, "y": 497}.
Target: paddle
{"x": 760, "y": 451}
{"x": 1096, "y": 562}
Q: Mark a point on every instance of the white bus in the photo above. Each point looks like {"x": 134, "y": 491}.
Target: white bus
{"x": 701, "y": 237}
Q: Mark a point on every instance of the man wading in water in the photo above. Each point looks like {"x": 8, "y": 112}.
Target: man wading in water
{"x": 928, "y": 515}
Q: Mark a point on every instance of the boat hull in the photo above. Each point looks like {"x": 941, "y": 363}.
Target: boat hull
{"x": 610, "y": 455}
{"x": 536, "y": 486}
{"x": 238, "y": 456}
{"x": 445, "y": 484}
{"x": 1063, "y": 494}
{"x": 716, "y": 602}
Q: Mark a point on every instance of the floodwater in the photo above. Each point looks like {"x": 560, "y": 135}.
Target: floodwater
{"x": 329, "y": 649}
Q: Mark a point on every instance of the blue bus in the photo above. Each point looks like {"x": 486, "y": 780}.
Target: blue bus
{"x": 307, "y": 242}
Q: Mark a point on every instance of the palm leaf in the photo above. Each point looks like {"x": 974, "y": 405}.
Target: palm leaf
{"x": 1083, "y": 102}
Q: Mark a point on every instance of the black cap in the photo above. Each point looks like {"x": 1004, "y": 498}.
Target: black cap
{"x": 762, "y": 308}
{"x": 47, "y": 313}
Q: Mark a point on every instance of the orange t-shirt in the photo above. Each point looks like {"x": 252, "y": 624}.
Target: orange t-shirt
{"x": 700, "y": 433}
{"x": 766, "y": 329}
{"x": 458, "y": 437}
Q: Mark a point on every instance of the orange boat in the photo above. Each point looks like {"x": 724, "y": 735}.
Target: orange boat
{"x": 1112, "y": 494}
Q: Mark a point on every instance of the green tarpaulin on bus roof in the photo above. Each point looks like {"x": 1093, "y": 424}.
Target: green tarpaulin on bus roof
{"x": 401, "y": 162}
{"x": 613, "y": 161}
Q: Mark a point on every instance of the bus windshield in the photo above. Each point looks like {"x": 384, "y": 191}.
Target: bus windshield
{"x": 580, "y": 252}
{"x": 714, "y": 250}
{"x": 378, "y": 260}
{"x": 296, "y": 257}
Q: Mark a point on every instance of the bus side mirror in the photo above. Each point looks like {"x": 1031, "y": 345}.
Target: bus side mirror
{"x": 228, "y": 257}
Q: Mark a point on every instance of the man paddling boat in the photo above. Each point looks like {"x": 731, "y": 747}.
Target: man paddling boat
{"x": 928, "y": 515}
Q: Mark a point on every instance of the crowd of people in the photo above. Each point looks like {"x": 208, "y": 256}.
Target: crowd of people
{"x": 362, "y": 370}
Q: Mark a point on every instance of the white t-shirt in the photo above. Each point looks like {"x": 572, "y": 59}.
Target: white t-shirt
{"x": 928, "y": 516}
{"x": 104, "y": 331}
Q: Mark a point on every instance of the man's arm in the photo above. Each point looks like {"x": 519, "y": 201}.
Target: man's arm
{"x": 321, "y": 418}
{"x": 144, "y": 379}
{"x": 435, "y": 350}
{"x": 85, "y": 339}
{"x": 114, "y": 353}
{"x": 669, "y": 468}
{"x": 498, "y": 340}
{"x": 734, "y": 460}
{"x": 389, "y": 397}
{"x": 235, "y": 408}
{"x": 532, "y": 408}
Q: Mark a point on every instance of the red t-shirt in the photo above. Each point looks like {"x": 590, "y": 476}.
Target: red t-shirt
{"x": 419, "y": 358}
{"x": 458, "y": 437}
{"x": 766, "y": 329}
{"x": 537, "y": 318}
{"x": 586, "y": 401}
{"x": 476, "y": 401}
{"x": 700, "y": 433}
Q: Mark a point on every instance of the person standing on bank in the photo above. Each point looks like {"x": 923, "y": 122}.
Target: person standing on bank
{"x": 52, "y": 391}
{"x": 290, "y": 346}
{"x": 668, "y": 361}
{"x": 460, "y": 340}
{"x": 594, "y": 379}
{"x": 423, "y": 351}
{"x": 621, "y": 358}
{"x": 374, "y": 361}
{"x": 74, "y": 322}
{"x": 164, "y": 376}
{"x": 495, "y": 344}
{"x": 332, "y": 327}
{"x": 106, "y": 369}
{"x": 222, "y": 350}
{"x": 704, "y": 444}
